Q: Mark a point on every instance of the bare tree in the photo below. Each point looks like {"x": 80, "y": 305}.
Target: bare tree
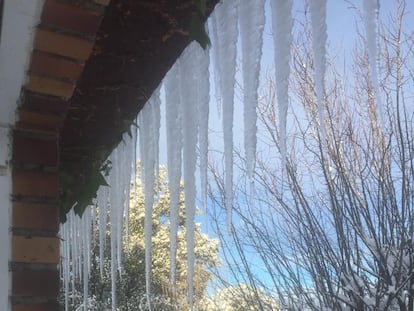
{"x": 333, "y": 230}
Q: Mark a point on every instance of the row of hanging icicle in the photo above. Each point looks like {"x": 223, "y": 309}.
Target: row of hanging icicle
{"x": 187, "y": 97}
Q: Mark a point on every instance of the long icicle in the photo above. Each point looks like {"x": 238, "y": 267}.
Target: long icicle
{"x": 102, "y": 202}
{"x": 227, "y": 17}
{"x": 174, "y": 154}
{"x": 282, "y": 24}
{"x": 85, "y": 229}
{"x": 319, "y": 39}
{"x": 189, "y": 111}
{"x": 65, "y": 260}
{"x": 371, "y": 11}
{"x": 252, "y": 20}
{"x": 215, "y": 56}
{"x": 203, "y": 100}
{"x": 113, "y": 226}
{"x": 148, "y": 140}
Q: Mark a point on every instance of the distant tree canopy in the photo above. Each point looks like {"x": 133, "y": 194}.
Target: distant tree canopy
{"x": 241, "y": 297}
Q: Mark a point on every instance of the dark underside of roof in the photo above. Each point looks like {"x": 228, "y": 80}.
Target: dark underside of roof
{"x": 136, "y": 45}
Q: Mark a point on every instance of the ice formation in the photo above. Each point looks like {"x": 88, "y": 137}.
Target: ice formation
{"x": 319, "y": 38}
{"x": 174, "y": 150}
{"x": 112, "y": 204}
{"x": 187, "y": 91}
{"x": 190, "y": 134}
{"x": 75, "y": 255}
{"x": 371, "y": 10}
{"x": 282, "y": 38}
{"x": 102, "y": 203}
{"x": 251, "y": 20}
{"x": 203, "y": 99}
{"x": 226, "y": 19}
{"x": 149, "y": 121}
{"x": 212, "y": 30}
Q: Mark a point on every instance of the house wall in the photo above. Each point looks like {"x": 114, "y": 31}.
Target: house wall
{"x": 43, "y": 47}
{"x": 5, "y": 182}
{"x": 17, "y": 29}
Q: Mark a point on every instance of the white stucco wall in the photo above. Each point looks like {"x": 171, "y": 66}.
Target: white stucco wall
{"x": 20, "y": 18}
{"x": 4, "y": 218}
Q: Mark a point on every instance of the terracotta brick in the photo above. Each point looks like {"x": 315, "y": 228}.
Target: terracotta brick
{"x": 61, "y": 44}
{"x": 36, "y": 307}
{"x": 70, "y": 17}
{"x": 30, "y": 183}
{"x": 35, "y": 249}
{"x": 50, "y": 86}
{"x": 53, "y": 66}
{"x": 45, "y": 104}
{"x": 39, "y": 283}
{"x": 35, "y": 151}
{"x": 35, "y": 216}
{"x": 28, "y": 119}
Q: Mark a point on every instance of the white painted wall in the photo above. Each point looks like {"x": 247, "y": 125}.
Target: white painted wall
{"x": 20, "y": 18}
{"x": 4, "y": 218}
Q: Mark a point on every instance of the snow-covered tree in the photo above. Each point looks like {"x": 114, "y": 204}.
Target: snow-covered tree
{"x": 241, "y": 298}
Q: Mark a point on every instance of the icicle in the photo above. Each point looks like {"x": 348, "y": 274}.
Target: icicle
{"x": 215, "y": 51}
{"x": 120, "y": 186}
{"x": 227, "y": 39}
{"x": 74, "y": 239}
{"x": 114, "y": 224}
{"x": 65, "y": 262}
{"x": 156, "y": 116}
{"x": 74, "y": 255}
{"x": 371, "y": 9}
{"x": 203, "y": 99}
{"x": 85, "y": 230}
{"x": 123, "y": 171}
{"x": 102, "y": 223}
{"x": 282, "y": 24}
{"x": 132, "y": 183}
{"x": 252, "y": 19}
{"x": 79, "y": 241}
{"x": 94, "y": 217}
{"x": 88, "y": 237}
{"x": 319, "y": 39}
{"x": 189, "y": 125}
{"x": 113, "y": 272}
{"x": 85, "y": 288}
{"x": 174, "y": 150}
{"x": 180, "y": 112}
{"x": 148, "y": 143}
{"x": 75, "y": 250}
{"x": 129, "y": 167}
